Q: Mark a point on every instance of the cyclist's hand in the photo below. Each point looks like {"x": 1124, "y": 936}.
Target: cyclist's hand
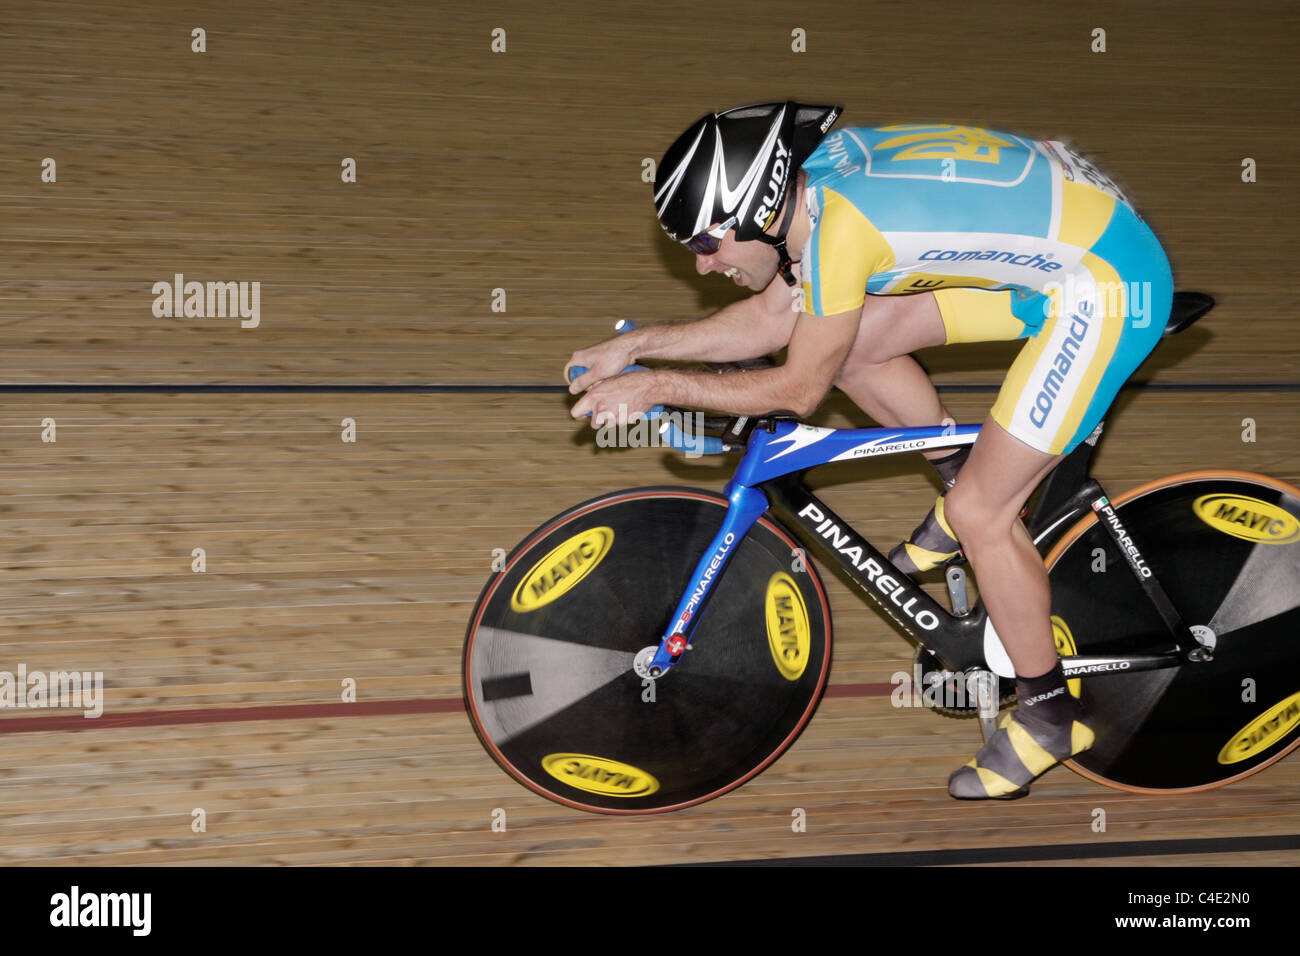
{"x": 616, "y": 400}
{"x": 602, "y": 361}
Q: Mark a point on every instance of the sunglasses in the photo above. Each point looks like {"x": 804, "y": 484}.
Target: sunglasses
{"x": 709, "y": 241}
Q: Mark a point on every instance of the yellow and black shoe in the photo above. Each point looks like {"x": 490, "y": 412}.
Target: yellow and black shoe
{"x": 1017, "y": 754}
{"x": 931, "y": 545}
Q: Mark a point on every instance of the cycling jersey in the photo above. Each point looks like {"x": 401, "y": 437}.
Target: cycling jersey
{"x": 1016, "y": 237}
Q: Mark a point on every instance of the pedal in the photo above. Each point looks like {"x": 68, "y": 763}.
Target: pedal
{"x": 955, "y": 577}
{"x": 955, "y": 693}
{"x": 984, "y": 687}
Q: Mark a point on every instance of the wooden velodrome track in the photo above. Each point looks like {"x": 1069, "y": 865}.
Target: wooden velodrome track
{"x": 520, "y": 171}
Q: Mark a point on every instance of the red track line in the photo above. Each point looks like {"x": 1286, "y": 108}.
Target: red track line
{"x": 860, "y": 690}
{"x": 367, "y": 708}
{"x": 213, "y": 715}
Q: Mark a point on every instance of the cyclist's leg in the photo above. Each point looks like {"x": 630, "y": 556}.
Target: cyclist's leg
{"x": 983, "y": 508}
{"x": 1056, "y": 392}
{"x": 879, "y": 373}
{"x": 964, "y": 315}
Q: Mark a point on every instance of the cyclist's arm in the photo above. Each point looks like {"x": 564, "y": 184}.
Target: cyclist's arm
{"x": 757, "y": 325}
{"x": 818, "y": 347}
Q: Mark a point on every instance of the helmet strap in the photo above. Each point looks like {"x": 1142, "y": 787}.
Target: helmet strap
{"x": 786, "y": 265}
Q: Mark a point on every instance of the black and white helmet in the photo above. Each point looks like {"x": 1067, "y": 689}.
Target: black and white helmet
{"x": 738, "y": 163}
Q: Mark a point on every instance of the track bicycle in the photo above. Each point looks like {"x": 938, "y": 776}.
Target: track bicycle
{"x": 654, "y": 648}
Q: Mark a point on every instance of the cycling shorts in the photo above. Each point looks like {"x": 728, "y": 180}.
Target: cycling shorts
{"x": 1102, "y": 321}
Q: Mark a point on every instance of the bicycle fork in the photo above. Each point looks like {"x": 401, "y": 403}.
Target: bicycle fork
{"x": 745, "y": 507}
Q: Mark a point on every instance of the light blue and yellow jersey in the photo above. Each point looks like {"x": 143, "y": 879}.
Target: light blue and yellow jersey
{"x": 946, "y": 209}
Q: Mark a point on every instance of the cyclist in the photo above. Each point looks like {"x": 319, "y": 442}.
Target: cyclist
{"x": 866, "y": 244}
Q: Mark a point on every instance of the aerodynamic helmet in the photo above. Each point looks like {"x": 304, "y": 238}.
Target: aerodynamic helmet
{"x": 738, "y": 165}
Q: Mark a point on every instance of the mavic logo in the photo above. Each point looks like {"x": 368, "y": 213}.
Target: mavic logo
{"x": 600, "y": 775}
{"x": 1247, "y": 518}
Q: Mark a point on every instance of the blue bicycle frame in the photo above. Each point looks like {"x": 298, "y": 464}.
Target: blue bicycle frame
{"x": 769, "y": 477}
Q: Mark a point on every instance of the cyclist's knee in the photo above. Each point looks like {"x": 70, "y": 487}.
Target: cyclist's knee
{"x": 856, "y": 368}
{"x": 974, "y": 519}
{"x": 962, "y": 510}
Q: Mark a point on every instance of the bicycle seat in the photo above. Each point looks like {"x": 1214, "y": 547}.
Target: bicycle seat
{"x": 1187, "y": 308}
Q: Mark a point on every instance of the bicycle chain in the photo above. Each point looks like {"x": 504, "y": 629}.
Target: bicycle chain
{"x": 1005, "y": 698}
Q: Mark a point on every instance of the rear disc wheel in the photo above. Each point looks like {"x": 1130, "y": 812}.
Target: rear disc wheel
{"x": 1225, "y": 546}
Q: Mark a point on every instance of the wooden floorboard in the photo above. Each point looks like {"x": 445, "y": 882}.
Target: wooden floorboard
{"x": 332, "y": 563}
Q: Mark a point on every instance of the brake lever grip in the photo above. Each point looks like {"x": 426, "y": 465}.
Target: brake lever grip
{"x": 621, "y": 326}
{"x": 673, "y": 436}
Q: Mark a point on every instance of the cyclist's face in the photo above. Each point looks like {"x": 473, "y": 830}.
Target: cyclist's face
{"x": 750, "y": 264}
